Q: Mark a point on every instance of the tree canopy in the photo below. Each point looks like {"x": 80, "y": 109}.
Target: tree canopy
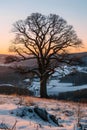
{"x": 43, "y": 38}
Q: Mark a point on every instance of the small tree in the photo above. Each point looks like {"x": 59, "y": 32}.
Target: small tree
{"x": 44, "y": 38}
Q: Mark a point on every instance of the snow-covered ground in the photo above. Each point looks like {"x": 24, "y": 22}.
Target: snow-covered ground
{"x": 54, "y": 87}
{"x": 20, "y": 110}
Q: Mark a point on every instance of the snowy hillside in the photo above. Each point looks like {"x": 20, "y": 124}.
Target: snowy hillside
{"x": 54, "y": 86}
{"x": 20, "y": 113}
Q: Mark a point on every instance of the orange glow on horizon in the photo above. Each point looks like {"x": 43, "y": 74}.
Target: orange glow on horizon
{"x": 70, "y": 50}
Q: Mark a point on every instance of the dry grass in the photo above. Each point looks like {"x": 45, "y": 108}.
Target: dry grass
{"x": 31, "y": 101}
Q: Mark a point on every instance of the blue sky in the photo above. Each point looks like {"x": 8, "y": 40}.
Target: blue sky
{"x": 73, "y": 11}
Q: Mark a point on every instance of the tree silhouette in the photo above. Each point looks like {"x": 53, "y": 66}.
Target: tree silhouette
{"x": 44, "y": 38}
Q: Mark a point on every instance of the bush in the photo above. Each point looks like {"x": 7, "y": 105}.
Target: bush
{"x": 14, "y": 90}
{"x": 79, "y": 95}
{"x": 10, "y": 59}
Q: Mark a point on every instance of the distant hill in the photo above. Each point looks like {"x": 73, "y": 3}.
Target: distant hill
{"x": 82, "y": 56}
{"x": 78, "y": 78}
{"x": 2, "y": 58}
{"x": 79, "y": 95}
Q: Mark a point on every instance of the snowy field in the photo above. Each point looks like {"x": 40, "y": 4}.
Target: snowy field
{"x": 54, "y": 86}
{"x": 19, "y": 112}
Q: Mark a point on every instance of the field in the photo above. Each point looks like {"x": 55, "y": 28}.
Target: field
{"x": 21, "y": 113}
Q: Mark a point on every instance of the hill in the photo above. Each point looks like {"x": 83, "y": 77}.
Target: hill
{"x": 28, "y": 113}
{"x": 81, "y": 58}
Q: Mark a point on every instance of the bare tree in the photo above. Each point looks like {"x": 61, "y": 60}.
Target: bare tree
{"x": 44, "y": 38}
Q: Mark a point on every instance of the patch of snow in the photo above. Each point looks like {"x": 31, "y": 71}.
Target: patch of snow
{"x": 7, "y": 85}
{"x": 26, "y": 80}
{"x": 64, "y": 87}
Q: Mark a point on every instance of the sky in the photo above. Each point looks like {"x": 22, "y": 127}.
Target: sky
{"x": 73, "y": 11}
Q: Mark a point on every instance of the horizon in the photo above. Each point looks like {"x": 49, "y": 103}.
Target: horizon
{"x": 74, "y": 12}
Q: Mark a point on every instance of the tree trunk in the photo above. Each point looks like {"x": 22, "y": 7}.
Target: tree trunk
{"x": 43, "y": 87}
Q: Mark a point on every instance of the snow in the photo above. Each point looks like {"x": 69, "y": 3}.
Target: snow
{"x": 64, "y": 88}
{"x": 6, "y": 65}
{"x": 54, "y": 87}
{"x": 26, "y": 80}
{"x": 11, "y": 111}
{"x": 10, "y": 85}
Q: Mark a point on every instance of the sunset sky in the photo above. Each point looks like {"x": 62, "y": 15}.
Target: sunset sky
{"x": 73, "y": 11}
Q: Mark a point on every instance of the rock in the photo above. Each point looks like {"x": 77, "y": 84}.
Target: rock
{"x": 53, "y": 118}
{"x": 42, "y": 113}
